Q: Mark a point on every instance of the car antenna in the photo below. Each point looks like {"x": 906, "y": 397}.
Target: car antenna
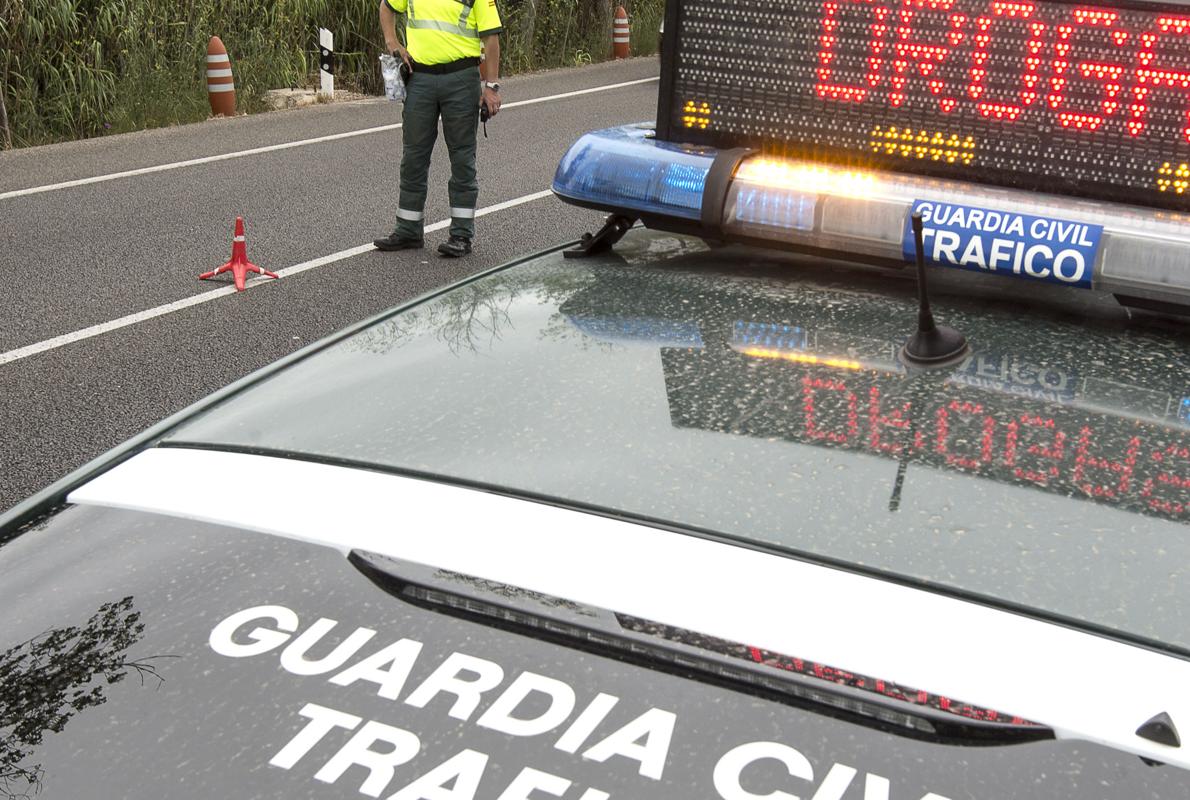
{"x": 932, "y": 345}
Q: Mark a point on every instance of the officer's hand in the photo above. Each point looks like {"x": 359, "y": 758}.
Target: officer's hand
{"x": 403, "y": 54}
{"x": 492, "y": 101}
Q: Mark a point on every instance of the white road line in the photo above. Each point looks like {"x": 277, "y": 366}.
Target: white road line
{"x": 214, "y": 294}
{"x": 287, "y": 145}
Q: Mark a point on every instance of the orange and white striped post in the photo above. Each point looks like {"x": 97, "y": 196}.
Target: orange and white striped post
{"x": 621, "y": 36}
{"x": 221, "y": 87}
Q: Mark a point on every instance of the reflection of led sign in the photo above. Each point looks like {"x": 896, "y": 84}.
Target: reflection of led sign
{"x": 823, "y": 672}
{"x": 996, "y": 372}
{"x": 1088, "y": 99}
{"x": 1058, "y": 448}
{"x": 800, "y": 358}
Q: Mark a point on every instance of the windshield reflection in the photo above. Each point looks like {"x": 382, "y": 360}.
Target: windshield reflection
{"x": 809, "y": 368}
{"x": 470, "y": 318}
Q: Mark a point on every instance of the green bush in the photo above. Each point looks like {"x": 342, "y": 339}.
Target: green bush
{"x": 76, "y": 68}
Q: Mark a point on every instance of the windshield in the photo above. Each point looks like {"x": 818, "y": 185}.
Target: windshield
{"x": 762, "y": 399}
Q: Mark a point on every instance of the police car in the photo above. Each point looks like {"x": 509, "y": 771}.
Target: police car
{"x": 677, "y": 512}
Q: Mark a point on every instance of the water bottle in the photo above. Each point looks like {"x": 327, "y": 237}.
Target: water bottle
{"x": 390, "y": 68}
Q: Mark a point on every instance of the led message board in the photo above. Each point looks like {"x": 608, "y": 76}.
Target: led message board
{"x": 1089, "y": 100}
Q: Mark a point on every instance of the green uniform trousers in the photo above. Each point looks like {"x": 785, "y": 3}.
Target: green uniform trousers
{"x": 455, "y": 98}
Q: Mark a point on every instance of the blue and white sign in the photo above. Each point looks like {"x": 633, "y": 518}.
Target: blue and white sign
{"x": 986, "y": 240}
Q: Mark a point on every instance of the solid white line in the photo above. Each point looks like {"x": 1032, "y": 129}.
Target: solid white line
{"x": 206, "y": 297}
{"x": 287, "y": 145}
{"x": 575, "y": 93}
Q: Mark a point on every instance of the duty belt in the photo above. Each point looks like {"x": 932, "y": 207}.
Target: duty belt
{"x": 449, "y": 66}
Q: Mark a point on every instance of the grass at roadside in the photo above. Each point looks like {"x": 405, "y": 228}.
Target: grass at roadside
{"x": 71, "y": 69}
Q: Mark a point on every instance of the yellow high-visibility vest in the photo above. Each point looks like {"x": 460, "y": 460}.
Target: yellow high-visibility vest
{"x": 441, "y": 31}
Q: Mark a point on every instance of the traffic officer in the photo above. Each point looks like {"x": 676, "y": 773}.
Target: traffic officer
{"x": 444, "y": 39}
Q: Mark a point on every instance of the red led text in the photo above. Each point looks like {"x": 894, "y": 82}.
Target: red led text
{"x": 1087, "y": 68}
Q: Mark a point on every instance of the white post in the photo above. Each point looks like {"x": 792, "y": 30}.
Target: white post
{"x": 326, "y": 46}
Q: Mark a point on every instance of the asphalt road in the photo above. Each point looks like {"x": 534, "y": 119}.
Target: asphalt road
{"x": 77, "y": 256}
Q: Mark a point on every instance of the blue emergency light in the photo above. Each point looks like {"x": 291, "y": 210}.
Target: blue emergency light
{"x": 627, "y": 168}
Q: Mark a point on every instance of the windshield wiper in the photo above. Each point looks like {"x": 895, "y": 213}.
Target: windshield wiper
{"x": 871, "y": 700}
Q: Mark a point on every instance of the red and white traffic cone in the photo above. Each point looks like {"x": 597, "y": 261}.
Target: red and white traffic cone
{"x": 239, "y": 266}
{"x": 621, "y": 35}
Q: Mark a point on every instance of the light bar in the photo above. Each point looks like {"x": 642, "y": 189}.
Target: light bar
{"x": 863, "y": 215}
{"x": 624, "y": 168}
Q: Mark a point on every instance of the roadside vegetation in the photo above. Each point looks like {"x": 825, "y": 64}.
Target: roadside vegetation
{"x": 70, "y": 69}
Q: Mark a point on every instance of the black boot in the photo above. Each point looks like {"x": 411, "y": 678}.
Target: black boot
{"x": 396, "y": 241}
{"x": 455, "y": 246}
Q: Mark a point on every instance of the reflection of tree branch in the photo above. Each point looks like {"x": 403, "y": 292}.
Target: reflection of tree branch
{"x": 143, "y": 668}
{"x": 460, "y": 323}
{"x": 48, "y": 679}
{"x": 453, "y": 319}
{"x": 19, "y": 783}
{"x": 471, "y": 316}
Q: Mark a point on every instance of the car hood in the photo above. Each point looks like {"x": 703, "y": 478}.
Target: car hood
{"x": 149, "y": 655}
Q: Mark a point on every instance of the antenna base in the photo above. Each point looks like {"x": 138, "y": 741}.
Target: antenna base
{"x": 937, "y": 347}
